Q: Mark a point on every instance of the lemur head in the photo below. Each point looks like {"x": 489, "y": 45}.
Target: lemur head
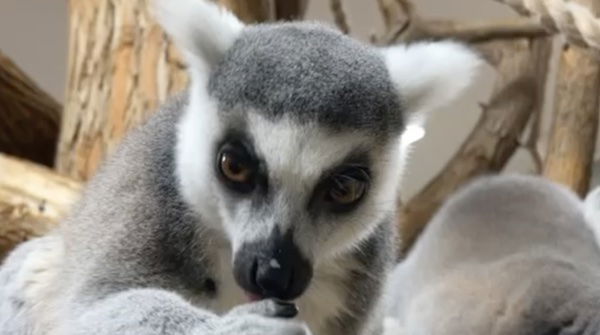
{"x": 291, "y": 143}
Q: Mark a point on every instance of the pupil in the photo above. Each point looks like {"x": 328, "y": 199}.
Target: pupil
{"x": 234, "y": 167}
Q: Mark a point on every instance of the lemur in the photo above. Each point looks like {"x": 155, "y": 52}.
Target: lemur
{"x": 505, "y": 255}
{"x": 260, "y": 201}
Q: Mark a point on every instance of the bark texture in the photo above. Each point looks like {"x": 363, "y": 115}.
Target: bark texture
{"x": 575, "y": 126}
{"x": 33, "y": 199}
{"x": 29, "y": 117}
{"x": 121, "y": 66}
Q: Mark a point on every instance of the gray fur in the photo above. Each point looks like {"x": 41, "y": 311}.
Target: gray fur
{"x": 13, "y": 301}
{"x": 134, "y": 258}
{"x": 151, "y": 248}
{"x": 506, "y": 255}
{"x": 306, "y": 70}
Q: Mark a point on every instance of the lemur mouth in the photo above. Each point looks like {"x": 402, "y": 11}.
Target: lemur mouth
{"x": 252, "y": 297}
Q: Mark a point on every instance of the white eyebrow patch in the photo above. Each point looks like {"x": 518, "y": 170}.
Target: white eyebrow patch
{"x": 299, "y": 153}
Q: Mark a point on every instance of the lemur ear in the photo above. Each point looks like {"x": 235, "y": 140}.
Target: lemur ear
{"x": 430, "y": 74}
{"x": 201, "y": 29}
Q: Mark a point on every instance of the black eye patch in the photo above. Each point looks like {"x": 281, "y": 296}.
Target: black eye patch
{"x": 237, "y": 166}
{"x": 343, "y": 188}
{"x": 346, "y": 188}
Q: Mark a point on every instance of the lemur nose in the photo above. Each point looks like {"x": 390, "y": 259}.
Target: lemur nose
{"x": 273, "y": 268}
{"x": 271, "y": 278}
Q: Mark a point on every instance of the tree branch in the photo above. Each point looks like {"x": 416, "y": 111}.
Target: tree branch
{"x": 575, "y": 126}
{"x": 32, "y": 200}
{"x": 471, "y": 32}
{"x": 339, "y": 16}
{"x": 522, "y": 71}
{"x": 251, "y": 11}
{"x": 29, "y": 117}
{"x": 290, "y": 9}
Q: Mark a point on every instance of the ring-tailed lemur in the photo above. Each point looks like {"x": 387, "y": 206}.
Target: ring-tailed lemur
{"x": 507, "y": 255}
{"x": 274, "y": 177}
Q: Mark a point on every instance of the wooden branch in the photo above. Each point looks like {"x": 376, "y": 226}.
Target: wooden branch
{"x": 531, "y": 144}
{"x": 395, "y": 12}
{"x": 29, "y": 117}
{"x": 575, "y": 126}
{"x": 254, "y": 11}
{"x": 471, "y": 32}
{"x": 339, "y": 16}
{"x": 251, "y": 11}
{"x": 290, "y": 9}
{"x": 32, "y": 200}
{"x": 522, "y": 72}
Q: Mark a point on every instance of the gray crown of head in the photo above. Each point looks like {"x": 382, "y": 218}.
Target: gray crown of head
{"x": 309, "y": 73}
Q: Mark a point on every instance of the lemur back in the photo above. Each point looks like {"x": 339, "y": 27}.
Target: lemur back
{"x": 504, "y": 255}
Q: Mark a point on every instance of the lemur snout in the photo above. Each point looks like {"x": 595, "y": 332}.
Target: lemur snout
{"x": 272, "y": 268}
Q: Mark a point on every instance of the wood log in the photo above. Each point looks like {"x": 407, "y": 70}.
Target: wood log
{"x": 29, "y": 117}
{"x": 33, "y": 199}
{"x": 522, "y": 66}
{"x": 573, "y": 133}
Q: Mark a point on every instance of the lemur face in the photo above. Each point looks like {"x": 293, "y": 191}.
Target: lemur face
{"x": 294, "y": 195}
{"x": 291, "y": 143}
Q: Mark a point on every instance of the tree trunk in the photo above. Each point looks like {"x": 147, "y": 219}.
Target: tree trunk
{"x": 29, "y": 117}
{"x": 573, "y": 136}
{"x": 33, "y": 199}
{"x": 522, "y": 67}
{"x": 121, "y": 66}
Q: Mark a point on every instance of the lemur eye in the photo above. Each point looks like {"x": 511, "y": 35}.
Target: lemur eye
{"x": 237, "y": 167}
{"x": 348, "y": 187}
{"x": 233, "y": 169}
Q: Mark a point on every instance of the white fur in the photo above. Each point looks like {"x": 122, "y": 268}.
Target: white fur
{"x": 197, "y": 129}
{"x": 391, "y": 326}
{"x": 203, "y": 29}
{"x": 429, "y": 75}
{"x": 37, "y": 281}
{"x": 592, "y": 212}
{"x": 300, "y": 156}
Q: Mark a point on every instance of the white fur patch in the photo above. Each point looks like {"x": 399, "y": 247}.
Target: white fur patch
{"x": 38, "y": 280}
{"x": 297, "y": 156}
{"x": 198, "y": 127}
{"x": 592, "y": 212}
{"x": 201, "y": 28}
{"x": 391, "y": 326}
{"x": 429, "y": 75}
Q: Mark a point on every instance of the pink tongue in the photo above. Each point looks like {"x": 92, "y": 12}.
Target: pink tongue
{"x": 253, "y": 297}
